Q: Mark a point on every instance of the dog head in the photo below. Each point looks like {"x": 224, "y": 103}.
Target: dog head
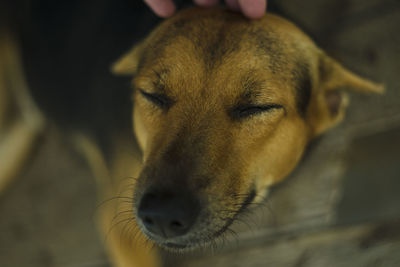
{"x": 224, "y": 108}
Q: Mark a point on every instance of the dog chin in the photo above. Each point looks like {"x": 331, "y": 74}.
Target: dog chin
{"x": 185, "y": 247}
{"x": 177, "y": 248}
{"x": 181, "y": 245}
{"x": 191, "y": 242}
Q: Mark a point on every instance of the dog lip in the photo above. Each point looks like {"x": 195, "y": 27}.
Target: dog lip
{"x": 244, "y": 205}
{"x": 175, "y": 245}
{"x": 162, "y": 242}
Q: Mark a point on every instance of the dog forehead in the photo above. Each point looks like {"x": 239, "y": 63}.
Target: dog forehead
{"x": 210, "y": 44}
{"x": 212, "y": 38}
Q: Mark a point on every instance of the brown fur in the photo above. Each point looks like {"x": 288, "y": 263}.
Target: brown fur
{"x": 210, "y": 67}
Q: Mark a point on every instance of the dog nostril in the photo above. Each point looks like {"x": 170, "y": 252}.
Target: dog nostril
{"x": 148, "y": 221}
{"x": 176, "y": 225}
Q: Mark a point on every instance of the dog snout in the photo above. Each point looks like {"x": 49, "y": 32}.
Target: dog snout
{"x": 167, "y": 214}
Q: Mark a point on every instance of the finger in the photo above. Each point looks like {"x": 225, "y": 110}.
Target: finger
{"x": 162, "y": 8}
{"x": 253, "y": 9}
{"x": 206, "y": 3}
{"x": 233, "y": 5}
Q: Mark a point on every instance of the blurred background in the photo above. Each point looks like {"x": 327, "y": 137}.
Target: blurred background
{"x": 341, "y": 206}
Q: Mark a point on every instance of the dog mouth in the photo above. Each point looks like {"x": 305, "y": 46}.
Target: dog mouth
{"x": 176, "y": 246}
{"x": 200, "y": 238}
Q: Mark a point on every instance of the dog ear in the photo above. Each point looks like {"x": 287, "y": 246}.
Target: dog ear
{"x": 128, "y": 63}
{"x": 329, "y": 100}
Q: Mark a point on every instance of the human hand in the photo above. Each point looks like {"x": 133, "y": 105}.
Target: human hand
{"x": 252, "y": 9}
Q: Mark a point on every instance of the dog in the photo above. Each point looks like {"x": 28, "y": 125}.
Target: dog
{"x": 224, "y": 108}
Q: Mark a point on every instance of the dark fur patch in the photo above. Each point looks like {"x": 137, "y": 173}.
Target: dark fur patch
{"x": 226, "y": 41}
{"x": 302, "y": 83}
{"x": 215, "y": 50}
{"x": 267, "y": 43}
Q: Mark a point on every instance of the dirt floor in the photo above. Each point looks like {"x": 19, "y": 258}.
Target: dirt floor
{"x": 341, "y": 207}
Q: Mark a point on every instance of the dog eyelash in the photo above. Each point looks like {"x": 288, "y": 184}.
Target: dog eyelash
{"x": 159, "y": 100}
{"x": 250, "y": 110}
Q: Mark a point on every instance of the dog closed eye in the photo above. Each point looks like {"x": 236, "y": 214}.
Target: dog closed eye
{"x": 160, "y": 100}
{"x": 245, "y": 111}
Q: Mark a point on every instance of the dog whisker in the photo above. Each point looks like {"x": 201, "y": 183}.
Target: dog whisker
{"x": 126, "y": 188}
{"x": 127, "y": 223}
{"x": 111, "y": 199}
{"x": 126, "y": 202}
{"x": 115, "y": 225}
{"x": 135, "y": 234}
{"x": 120, "y": 213}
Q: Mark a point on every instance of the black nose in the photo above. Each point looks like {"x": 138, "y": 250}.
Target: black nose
{"x": 168, "y": 214}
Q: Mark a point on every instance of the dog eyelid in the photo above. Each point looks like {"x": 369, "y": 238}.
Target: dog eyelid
{"x": 245, "y": 111}
{"x": 160, "y": 100}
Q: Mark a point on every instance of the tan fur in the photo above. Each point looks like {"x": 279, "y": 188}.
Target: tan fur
{"x": 209, "y": 61}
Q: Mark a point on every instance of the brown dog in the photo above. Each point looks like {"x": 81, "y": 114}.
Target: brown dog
{"x": 223, "y": 109}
